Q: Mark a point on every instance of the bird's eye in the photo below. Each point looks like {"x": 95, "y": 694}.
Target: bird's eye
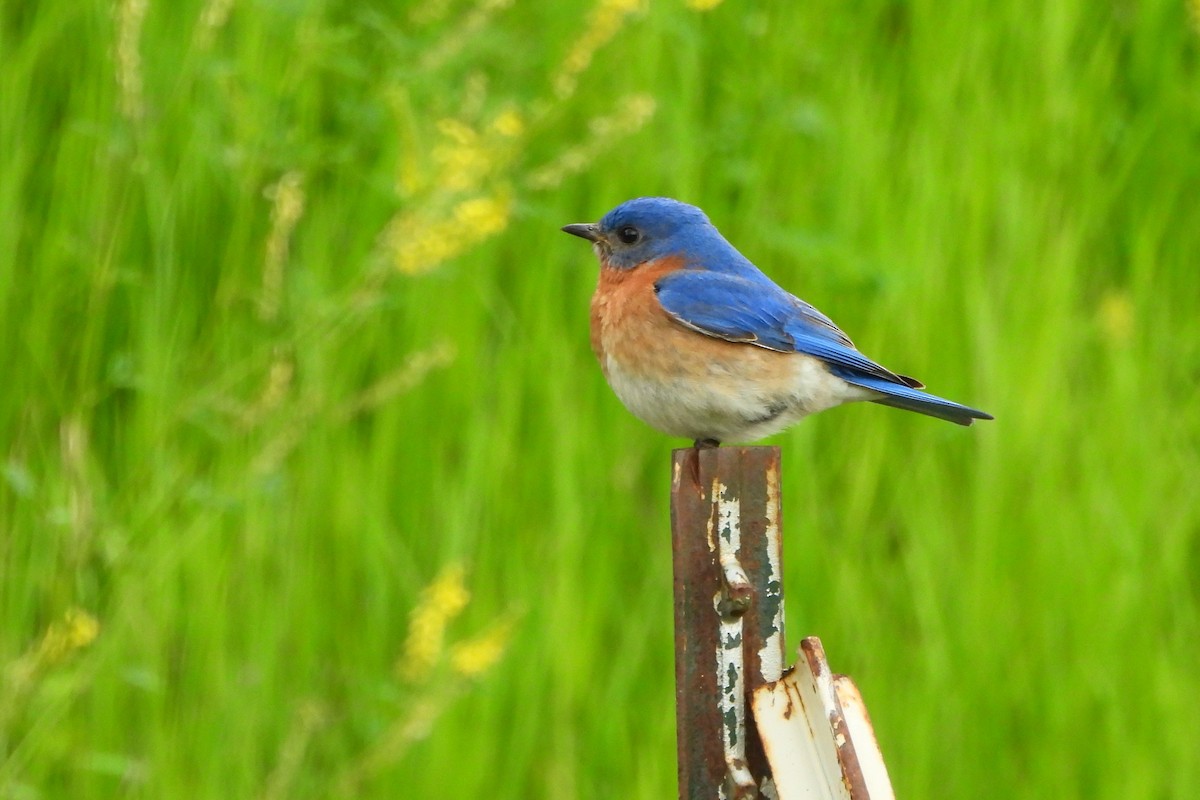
{"x": 628, "y": 234}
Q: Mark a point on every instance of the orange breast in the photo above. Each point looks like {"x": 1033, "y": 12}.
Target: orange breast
{"x": 630, "y": 327}
{"x": 625, "y": 311}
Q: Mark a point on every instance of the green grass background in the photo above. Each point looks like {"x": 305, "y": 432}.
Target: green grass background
{"x": 1000, "y": 198}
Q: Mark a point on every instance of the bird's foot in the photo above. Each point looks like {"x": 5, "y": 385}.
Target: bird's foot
{"x": 706, "y": 444}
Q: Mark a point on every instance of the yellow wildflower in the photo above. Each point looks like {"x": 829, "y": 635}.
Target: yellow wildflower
{"x": 475, "y": 656}
{"x": 508, "y": 124}
{"x": 482, "y": 216}
{"x": 421, "y": 240}
{"x": 441, "y": 602}
{"x": 75, "y": 631}
{"x": 461, "y": 157}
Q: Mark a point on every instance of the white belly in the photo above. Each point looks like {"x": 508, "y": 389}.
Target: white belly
{"x": 732, "y": 407}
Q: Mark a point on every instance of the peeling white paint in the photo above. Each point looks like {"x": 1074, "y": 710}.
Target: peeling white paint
{"x": 729, "y": 518}
{"x": 731, "y": 671}
{"x": 731, "y": 684}
{"x": 823, "y": 684}
{"x": 798, "y": 739}
{"x": 771, "y": 655}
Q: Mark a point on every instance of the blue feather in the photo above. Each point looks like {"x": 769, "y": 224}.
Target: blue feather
{"x": 760, "y": 313}
{"x": 910, "y": 399}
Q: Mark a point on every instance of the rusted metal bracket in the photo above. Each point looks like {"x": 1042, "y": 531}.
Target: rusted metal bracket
{"x": 805, "y": 734}
{"x": 817, "y": 734}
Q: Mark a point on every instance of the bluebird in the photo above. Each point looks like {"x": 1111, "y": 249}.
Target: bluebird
{"x": 697, "y": 342}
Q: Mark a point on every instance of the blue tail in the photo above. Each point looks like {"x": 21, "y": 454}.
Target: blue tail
{"x": 900, "y": 396}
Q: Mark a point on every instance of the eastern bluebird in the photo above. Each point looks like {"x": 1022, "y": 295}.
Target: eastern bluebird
{"x": 698, "y": 343}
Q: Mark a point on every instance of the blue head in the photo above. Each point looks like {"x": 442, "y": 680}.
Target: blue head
{"x": 648, "y": 228}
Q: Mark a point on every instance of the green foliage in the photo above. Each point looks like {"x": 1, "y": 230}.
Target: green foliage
{"x": 289, "y": 330}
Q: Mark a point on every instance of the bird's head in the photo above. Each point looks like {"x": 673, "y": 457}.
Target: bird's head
{"x": 646, "y": 229}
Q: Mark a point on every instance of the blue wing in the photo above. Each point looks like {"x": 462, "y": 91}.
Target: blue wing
{"x": 752, "y": 309}
{"x": 741, "y": 309}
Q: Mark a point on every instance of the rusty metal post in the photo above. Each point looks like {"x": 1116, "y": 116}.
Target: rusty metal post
{"x": 725, "y": 530}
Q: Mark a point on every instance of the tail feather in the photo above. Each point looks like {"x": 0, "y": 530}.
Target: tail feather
{"x": 910, "y": 399}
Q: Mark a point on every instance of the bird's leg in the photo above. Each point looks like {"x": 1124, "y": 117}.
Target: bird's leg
{"x": 701, "y": 444}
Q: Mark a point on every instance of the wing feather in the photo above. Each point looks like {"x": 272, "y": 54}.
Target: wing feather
{"x": 757, "y": 312}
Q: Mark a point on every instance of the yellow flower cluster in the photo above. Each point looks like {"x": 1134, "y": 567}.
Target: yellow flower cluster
{"x": 508, "y": 123}
{"x": 482, "y": 215}
{"x": 475, "y": 656}
{"x": 441, "y": 602}
{"x": 457, "y": 191}
{"x": 465, "y": 197}
{"x": 424, "y": 649}
{"x": 421, "y": 240}
{"x": 462, "y": 157}
{"x": 75, "y": 631}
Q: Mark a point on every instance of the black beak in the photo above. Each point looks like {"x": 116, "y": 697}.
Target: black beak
{"x": 584, "y": 230}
